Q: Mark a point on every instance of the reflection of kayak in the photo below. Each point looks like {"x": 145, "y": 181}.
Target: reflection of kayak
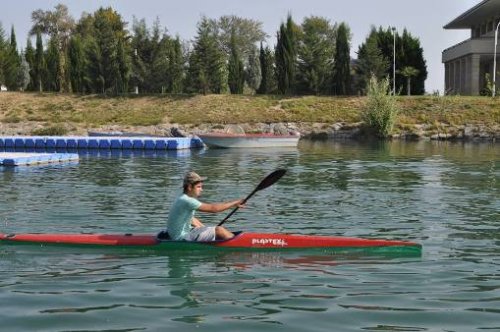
{"x": 218, "y": 140}
{"x": 241, "y": 241}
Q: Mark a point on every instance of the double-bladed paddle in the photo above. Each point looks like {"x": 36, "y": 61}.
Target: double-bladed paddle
{"x": 268, "y": 181}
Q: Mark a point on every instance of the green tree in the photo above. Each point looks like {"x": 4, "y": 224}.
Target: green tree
{"x": 3, "y": 48}
{"x": 408, "y": 53}
{"x": 40, "y": 64}
{"x": 236, "y": 77}
{"x": 52, "y": 79}
{"x": 253, "y": 71}
{"x": 23, "y": 74}
{"x": 245, "y": 32}
{"x": 371, "y": 62}
{"x": 267, "y": 70}
{"x": 342, "y": 66}
{"x": 176, "y": 70}
{"x": 109, "y": 53}
{"x": 286, "y": 56}
{"x": 141, "y": 54}
{"x": 207, "y": 62}
{"x": 77, "y": 64}
{"x": 12, "y": 63}
{"x": 413, "y": 56}
{"x": 151, "y": 60}
{"x": 95, "y": 70}
{"x": 29, "y": 55}
{"x": 57, "y": 24}
{"x": 316, "y": 54}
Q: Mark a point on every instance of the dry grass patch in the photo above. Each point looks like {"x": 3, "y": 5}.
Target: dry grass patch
{"x": 94, "y": 111}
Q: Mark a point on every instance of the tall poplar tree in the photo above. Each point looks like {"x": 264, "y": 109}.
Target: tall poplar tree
{"x": 176, "y": 67}
{"x": 253, "y": 71}
{"x": 266, "y": 60}
{"x": 52, "y": 79}
{"x": 12, "y": 63}
{"x": 78, "y": 64}
{"x": 342, "y": 66}
{"x": 3, "y": 48}
{"x": 29, "y": 55}
{"x": 236, "y": 77}
{"x": 286, "y": 57}
{"x": 40, "y": 65}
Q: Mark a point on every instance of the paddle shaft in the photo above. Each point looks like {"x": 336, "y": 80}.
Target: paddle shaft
{"x": 268, "y": 181}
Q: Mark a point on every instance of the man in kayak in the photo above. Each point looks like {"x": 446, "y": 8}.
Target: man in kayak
{"x": 183, "y": 225}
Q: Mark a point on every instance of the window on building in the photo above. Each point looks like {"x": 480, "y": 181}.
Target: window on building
{"x": 483, "y": 29}
{"x": 490, "y": 26}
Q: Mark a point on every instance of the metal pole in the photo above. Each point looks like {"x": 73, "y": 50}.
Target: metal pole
{"x": 394, "y": 62}
{"x": 493, "y": 93}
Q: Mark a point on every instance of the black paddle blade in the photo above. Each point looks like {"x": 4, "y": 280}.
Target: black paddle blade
{"x": 271, "y": 179}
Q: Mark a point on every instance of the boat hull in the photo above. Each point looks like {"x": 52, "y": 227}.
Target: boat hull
{"x": 242, "y": 241}
{"x": 249, "y": 141}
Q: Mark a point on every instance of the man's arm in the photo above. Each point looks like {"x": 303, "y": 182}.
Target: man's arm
{"x": 219, "y": 207}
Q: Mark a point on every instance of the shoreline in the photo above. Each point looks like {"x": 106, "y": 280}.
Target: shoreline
{"x": 321, "y": 117}
{"x": 307, "y": 130}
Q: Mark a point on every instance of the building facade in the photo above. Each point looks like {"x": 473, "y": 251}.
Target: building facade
{"x": 468, "y": 63}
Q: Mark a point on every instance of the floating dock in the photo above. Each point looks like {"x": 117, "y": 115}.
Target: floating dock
{"x": 104, "y": 142}
{"x": 27, "y": 159}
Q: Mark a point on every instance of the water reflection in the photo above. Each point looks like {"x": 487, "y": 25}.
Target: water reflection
{"x": 441, "y": 194}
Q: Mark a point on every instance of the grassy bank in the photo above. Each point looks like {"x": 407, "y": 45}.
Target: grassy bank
{"x": 95, "y": 111}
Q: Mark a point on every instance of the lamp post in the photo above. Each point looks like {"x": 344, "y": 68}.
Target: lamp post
{"x": 493, "y": 93}
{"x": 394, "y": 61}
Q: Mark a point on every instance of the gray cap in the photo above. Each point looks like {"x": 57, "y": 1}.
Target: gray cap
{"x": 193, "y": 178}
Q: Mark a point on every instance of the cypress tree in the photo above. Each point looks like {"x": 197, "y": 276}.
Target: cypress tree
{"x": 77, "y": 64}
{"x": 23, "y": 74}
{"x": 263, "y": 71}
{"x": 253, "y": 71}
{"x": 3, "y": 48}
{"x": 29, "y": 55}
{"x": 52, "y": 58}
{"x": 286, "y": 57}
{"x": 177, "y": 67}
{"x": 12, "y": 63}
{"x": 236, "y": 77}
{"x": 342, "y": 66}
{"x": 39, "y": 68}
{"x": 267, "y": 83}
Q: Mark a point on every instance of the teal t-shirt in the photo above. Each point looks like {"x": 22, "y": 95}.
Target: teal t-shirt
{"x": 180, "y": 216}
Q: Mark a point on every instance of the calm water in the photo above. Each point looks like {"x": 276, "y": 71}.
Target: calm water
{"x": 443, "y": 195}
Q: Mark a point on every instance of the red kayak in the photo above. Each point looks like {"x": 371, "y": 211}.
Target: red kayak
{"x": 242, "y": 240}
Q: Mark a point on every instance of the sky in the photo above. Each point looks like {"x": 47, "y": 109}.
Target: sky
{"x": 424, "y": 19}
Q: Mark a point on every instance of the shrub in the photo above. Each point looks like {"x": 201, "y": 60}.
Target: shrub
{"x": 56, "y": 130}
{"x": 380, "y": 111}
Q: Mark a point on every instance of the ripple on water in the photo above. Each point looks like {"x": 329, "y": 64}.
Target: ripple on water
{"x": 444, "y": 196}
